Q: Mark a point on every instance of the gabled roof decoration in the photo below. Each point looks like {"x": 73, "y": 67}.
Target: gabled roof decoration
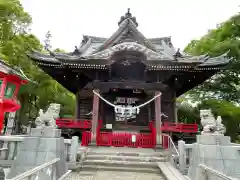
{"x": 128, "y": 15}
{"x": 131, "y": 46}
{"x": 127, "y": 32}
{"x": 127, "y": 38}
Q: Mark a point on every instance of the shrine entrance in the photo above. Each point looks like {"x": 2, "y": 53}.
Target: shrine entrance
{"x": 125, "y": 116}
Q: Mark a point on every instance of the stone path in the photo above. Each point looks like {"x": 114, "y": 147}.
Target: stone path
{"x": 113, "y": 175}
{"x": 100, "y": 174}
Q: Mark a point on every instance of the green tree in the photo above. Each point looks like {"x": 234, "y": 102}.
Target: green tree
{"x": 224, "y": 38}
{"x": 15, "y": 43}
{"x": 187, "y": 114}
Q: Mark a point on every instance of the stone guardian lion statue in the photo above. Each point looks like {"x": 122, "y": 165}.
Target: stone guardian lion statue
{"x": 49, "y": 117}
{"x": 210, "y": 124}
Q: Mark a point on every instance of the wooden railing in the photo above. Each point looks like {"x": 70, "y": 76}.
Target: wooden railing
{"x": 9, "y": 147}
{"x": 87, "y": 124}
{"x": 68, "y": 123}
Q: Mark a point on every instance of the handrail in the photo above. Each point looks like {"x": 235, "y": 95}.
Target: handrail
{"x": 171, "y": 141}
{"x": 21, "y": 138}
{"x": 34, "y": 170}
{"x": 11, "y": 138}
{"x": 65, "y": 175}
{"x": 217, "y": 173}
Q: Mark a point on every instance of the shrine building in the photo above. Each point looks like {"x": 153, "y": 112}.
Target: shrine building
{"x": 127, "y": 80}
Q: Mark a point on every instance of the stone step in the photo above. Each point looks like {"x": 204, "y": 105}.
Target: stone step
{"x": 137, "y": 154}
{"x": 125, "y": 158}
{"x": 91, "y": 168}
{"x": 120, "y": 163}
{"x": 121, "y": 159}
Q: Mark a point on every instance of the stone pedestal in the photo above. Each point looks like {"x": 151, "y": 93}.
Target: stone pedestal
{"x": 2, "y": 174}
{"x": 216, "y": 152}
{"x": 43, "y": 145}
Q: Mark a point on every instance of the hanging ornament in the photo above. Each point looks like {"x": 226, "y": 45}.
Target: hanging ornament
{"x": 128, "y": 111}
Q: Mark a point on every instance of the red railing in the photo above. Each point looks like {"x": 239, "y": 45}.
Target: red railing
{"x": 177, "y": 127}
{"x": 180, "y": 127}
{"x": 87, "y": 124}
{"x": 165, "y": 142}
{"x": 75, "y": 124}
{"x": 121, "y": 139}
{"x": 86, "y": 138}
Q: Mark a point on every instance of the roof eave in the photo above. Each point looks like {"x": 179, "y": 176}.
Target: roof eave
{"x": 47, "y": 58}
{"x": 15, "y": 71}
{"x": 221, "y": 60}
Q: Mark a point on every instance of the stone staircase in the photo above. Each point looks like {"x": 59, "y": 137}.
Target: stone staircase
{"x": 122, "y": 159}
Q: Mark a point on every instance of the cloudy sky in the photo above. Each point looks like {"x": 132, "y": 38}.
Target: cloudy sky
{"x": 183, "y": 20}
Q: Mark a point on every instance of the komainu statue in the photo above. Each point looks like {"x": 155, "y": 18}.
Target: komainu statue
{"x": 221, "y": 129}
{"x": 210, "y": 124}
{"x": 49, "y": 117}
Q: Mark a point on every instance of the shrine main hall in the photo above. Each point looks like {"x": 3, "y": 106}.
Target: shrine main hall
{"x": 127, "y": 80}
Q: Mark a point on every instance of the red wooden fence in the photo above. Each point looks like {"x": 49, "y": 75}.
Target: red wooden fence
{"x": 75, "y": 124}
{"x": 122, "y": 139}
{"x": 177, "y": 127}
{"x": 166, "y": 126}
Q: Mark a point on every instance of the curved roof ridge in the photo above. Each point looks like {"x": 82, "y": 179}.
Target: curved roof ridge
{"x": 129, "y": 46}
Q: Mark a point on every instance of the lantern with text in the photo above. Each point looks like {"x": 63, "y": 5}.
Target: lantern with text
{"x": 9, "y": 87}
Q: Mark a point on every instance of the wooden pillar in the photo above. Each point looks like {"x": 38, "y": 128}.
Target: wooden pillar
{"x": 149, "y": 113}
{"x": 175, "y": 107}
{"x": 95, "y": 116}
{"x": 77, "y": 106}
{"x": 175, "y": 113}
{"x": 158, "y": 119}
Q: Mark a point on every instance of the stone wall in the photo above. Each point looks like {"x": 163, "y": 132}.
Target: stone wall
{"x": 43, "y": 145}
{"x": 217, "y": 153}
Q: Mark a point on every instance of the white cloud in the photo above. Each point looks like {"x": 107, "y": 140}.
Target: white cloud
{"x": 184, "y": 20}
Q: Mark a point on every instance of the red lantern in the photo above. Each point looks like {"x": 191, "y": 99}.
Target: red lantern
{"x": 9, "y": 87}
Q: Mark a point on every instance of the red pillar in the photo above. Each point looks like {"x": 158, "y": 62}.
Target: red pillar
{"x": 158, "y": 119}
{"x": 95, "y": 116}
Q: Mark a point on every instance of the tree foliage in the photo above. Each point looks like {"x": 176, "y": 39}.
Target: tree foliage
{"x": 15, "y": 42}
{"x": 229, "y": 112}
{"x": 221, "y": 92}
{"x": 224, "y": 38}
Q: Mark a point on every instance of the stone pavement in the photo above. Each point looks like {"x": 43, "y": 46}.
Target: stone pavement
{"x": 113, "y": 175}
